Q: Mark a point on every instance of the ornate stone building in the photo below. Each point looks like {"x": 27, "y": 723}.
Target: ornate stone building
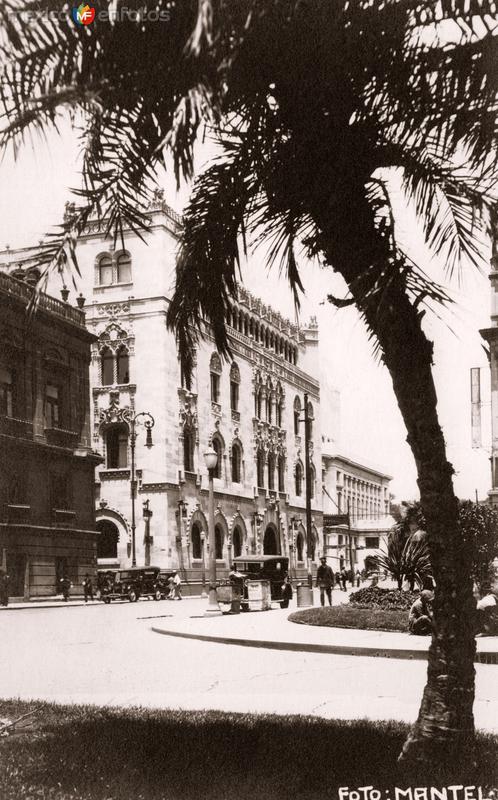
{"x": 250, "y": 409}
{"x": 47, "y": 522}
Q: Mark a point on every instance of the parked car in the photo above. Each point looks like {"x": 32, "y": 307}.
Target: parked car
{"x": 131, "y": 584}
{"x": 261, "y": 568}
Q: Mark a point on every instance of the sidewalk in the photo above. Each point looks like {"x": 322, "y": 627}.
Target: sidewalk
{"x": 272, "y": 630}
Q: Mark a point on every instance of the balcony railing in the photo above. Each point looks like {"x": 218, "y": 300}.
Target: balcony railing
{"x": 63, "y": 518}
{"x": 61, "y": 437}
{"x": 20, "y": 428}
{"x": 23, "y": 291}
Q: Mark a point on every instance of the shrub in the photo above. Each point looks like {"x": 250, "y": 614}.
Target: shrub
{"x": 375, "y": 597}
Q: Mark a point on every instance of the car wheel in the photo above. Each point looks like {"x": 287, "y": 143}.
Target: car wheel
{"x": 106, "y": 600}
{"x": 132, "y": 596}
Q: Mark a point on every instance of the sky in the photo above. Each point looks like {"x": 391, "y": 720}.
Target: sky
{"x": 34, "y": 188}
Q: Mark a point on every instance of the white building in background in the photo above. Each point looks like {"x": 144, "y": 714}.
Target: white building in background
{"x": 351, "y": 487}
{"x": 250, "y": 409}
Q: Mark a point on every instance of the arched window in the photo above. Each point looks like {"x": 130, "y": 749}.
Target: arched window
{"x": 218, "y": 542}
{"x": 281, "y": 473}
{"x": 311, "y": 416}
{"x": 236, "y": 463}
{"x": 107, "y": 367}
{"x": 312, "y": 480}
{"x": 297, "y": 415}
{"x": 116, "y": 440}
{"x": 196, "y": 541}
{"x": 123, "y": 264}
{"x": 107, "y": 540}
{"x": 300, "y": 547}
{"x": 279, "y": 404}
{"x": 123, "y": 365}
{"x": 271, "y": 471}
{"x": 218, "y": 448}
{"x": 105, "y": 270}
{"x": 257, "y": 403}
{"x": 215, "y": 372}
{"x": 188, "y": 450}
{"x": 299, "y": 479}
{"x": 234, "y": 387}
{"x": 260, "y": 468}
{"x": 269, "y": 405}
{"x": 237, "y": 541}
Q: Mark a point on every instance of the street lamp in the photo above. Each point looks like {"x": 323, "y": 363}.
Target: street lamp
{"x": 148, "y": 422}
{"x": 213, "y": 609}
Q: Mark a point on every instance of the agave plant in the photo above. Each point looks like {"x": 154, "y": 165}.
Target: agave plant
{"x": 405, "y": 560}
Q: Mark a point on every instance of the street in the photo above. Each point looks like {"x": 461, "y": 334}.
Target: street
{"x": 108, "y": 655}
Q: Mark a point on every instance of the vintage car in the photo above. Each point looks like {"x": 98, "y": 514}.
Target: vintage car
{"x": 260, "y": 568}
{"x": 131, "y": 584}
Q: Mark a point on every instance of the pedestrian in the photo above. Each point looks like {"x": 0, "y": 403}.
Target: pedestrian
{"x": 4, "y": 588}
{"x": 88, "y": 588}
{"x": 65, "y": 587}
{"x": 325, "y": 581}
{"x": 344, "y": 577}
{"x": 177, "y": 587}
{"x": 286, "y": 592}
{"x": 171, "y": 587}
{"x": 358, "y": 578}
{"x": 420, "y": 616}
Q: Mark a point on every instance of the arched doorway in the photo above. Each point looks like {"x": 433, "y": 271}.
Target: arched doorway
{"x": 107, "y": 541}
{"x": 271, "y": 544}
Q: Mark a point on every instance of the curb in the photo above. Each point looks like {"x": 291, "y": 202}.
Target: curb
{"x": 483, "y": 657}
{"x": 331, "y": 649}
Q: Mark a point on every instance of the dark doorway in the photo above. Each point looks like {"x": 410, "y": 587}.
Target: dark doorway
{"x": 271, "y": 546}
{"x": 16, "y": 570}
{"x": 107, "y": 540}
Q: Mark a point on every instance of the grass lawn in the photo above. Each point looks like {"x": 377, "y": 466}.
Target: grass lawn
{"x": 372, "y": 619}
{"x": 88, "y": 753}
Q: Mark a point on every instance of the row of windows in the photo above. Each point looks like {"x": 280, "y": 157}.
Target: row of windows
{"x": 198, "y": 539}
{"x": 270, "y": 475}
{"x": 9, "y": 400}
{"x": 260, "y": 333}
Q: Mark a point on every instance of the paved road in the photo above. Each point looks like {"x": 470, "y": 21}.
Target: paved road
{"x": 108, "y": 655}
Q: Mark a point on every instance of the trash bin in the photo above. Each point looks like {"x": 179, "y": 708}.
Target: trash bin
{"x": 258, "y": 595}
{"x": 304, "y": 595}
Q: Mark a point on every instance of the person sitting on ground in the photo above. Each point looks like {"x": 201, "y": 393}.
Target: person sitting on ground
{"x": 286, "y": 592}
{"x": 487, "y": 610}
{"x": 420, "y": 616}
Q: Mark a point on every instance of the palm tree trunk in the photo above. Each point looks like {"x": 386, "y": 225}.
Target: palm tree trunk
{"x": 444, "y": 730}
{"x": 443, "y": 734}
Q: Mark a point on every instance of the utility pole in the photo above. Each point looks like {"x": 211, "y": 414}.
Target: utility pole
{"x": 310, "y": 544}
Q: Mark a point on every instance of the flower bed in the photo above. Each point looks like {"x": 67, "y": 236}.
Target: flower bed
{"x": 375, "y": 597}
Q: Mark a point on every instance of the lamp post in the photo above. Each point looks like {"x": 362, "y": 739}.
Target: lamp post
{"x": 213, "y": 609}
{"x": 203, "y": 545}
{"x": 147, "y": 514}
{"x": 148, "y": 421}
{"x": 310, "y": 544}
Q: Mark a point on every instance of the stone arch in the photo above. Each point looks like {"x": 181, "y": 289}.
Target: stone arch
{"x": 113, "y": 517}
{"x": 237, "y": 522}
{"x": 197, "y": 516}
{"x": 221, "y": 534}
{"x": 271, "y": 541}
